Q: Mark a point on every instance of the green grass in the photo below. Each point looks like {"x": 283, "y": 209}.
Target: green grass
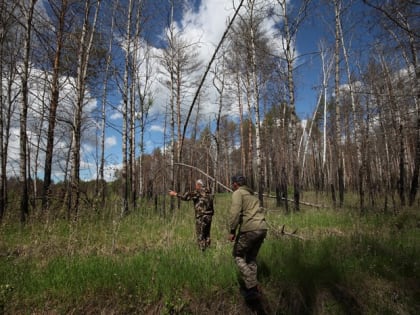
{"x": 145, "y": 263}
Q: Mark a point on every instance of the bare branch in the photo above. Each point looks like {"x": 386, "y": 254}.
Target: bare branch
{"x": 205, "y": 74}
{"x": 282, "y": 232}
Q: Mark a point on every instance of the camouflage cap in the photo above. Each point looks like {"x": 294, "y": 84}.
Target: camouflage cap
{"x": 199, "y": 182}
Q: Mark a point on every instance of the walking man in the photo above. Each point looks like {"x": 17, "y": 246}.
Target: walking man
{"x": 248, "y": 230}
{"x": 203, "y": 205}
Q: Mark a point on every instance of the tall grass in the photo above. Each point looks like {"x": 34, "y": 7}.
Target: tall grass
{"x": 149, "y": 263}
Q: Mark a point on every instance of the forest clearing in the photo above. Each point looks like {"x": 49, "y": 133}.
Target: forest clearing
{"x": 143, "y": 263}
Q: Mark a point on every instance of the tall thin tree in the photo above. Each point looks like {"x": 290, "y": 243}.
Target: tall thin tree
{"x": 28, "y": 13}
{"x": 60, "y": 10}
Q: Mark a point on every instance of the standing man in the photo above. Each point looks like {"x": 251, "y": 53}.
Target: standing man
{"x": 248, "y": 230}
{"x": 203, "y": 205}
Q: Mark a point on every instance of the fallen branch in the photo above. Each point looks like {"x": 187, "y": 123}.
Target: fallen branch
{"x": 303, "y": 203}
{"x": 282, "y": 232}
{"x": 291, "y": 200}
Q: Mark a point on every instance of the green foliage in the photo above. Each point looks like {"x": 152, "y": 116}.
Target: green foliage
{"x": 144, "y": 262}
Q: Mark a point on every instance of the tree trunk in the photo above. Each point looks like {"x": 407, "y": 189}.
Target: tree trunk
{"x": 125, "y": 109}
{"x": 289, "y": 51}
{"x": 256, "y": 107}
{"x": 102, "y": 185}
{"x": 6, "y": 96}
{"x": 336, "y": 164}
{"x": 23, "y": 175}
{"x": 55, "y": 92}
{"x": 85, "y": 45}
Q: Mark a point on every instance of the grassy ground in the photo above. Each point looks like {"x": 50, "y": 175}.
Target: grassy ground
{"x": 149, "y": 264}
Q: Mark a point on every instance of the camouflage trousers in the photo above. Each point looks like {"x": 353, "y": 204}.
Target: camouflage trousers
{"x": 202, "y": 228}
{"x": 245, "y": 251}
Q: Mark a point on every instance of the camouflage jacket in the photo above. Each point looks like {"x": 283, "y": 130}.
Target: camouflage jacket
{"x": 202, "y": 200}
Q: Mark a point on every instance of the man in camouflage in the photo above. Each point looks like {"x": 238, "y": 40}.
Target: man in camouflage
{"x": 203, "y": 206}
{"x": 248, "y": 229}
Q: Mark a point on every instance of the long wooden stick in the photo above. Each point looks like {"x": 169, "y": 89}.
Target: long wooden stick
{"x": 275, "y": 230}
{"x": 230, "y": 190}
{"x": 205, "y": 174}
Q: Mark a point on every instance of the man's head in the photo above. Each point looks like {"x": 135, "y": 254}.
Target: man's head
{"x": 238, "y": 180}
{"x": 199, "y": 184}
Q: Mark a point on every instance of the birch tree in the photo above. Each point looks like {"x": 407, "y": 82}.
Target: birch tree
{"x": 256, "y": 100}
{"x": 101, "y": 186}
{"x": 337, "y": 168}
{"x": 83, "y": 56}
{"x": 180, "y": 63}
{"x": 219, "y": 82}
{"x": 125, "y": 108}
{"x": 290, "y": 27}
{"x": 326, "y": 72}
{"x": 8, "y": 75}
{"x": 400, "y": 20}
{"x": 28, "y": 13}
{"x": 357, "y": 126}
{"x": 60, "y": 11}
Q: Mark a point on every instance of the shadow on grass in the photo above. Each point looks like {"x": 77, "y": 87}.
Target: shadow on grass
{"x": 307, "y": 279}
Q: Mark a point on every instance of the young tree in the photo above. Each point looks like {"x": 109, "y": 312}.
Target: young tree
{"x": 291, "y": 22}
{"x": 60, "y": 10}
{"x": 357, "y": 125}
{"x": 219, "y": 83}
{"x": 256, "y": 99}
{"x": 83, "y": 56}
{"x": 326, "y": 72}
{"x": 101, "y": 185}
{"x": 8, "y": 75}
{"x": 337, "y": 168}
{"x": 180, "y": 62}
{"x": 125, "y": 109}
{"x": 28, "y": 13}
{"x": 400, "y": 19}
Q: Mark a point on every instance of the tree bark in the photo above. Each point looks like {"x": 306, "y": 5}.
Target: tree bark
{"x": 55, "y": 93}
{"x": 23, "y": 155}
{"x": 85, "y": 45}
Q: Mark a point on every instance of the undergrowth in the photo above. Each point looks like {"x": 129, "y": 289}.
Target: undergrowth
{"x": 341, "y": 262}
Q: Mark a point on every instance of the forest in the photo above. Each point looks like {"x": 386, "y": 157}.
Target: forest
{"x": 58, "y": 57}
{"x": 108, "y": 104}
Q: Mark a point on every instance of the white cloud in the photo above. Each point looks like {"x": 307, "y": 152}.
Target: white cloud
{"x": 204, "y": 28}
{"x": 207, "y": 24}
{"x": 110, "y": 141}
{"x": 157, "y": 128}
